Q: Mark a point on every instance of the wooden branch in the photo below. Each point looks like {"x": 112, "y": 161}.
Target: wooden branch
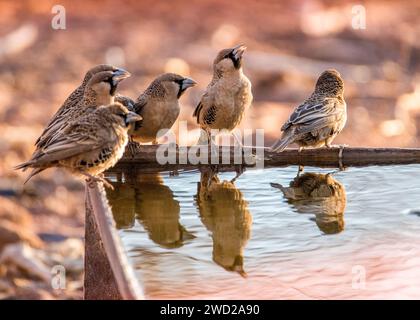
{"x": 145, "y": 159}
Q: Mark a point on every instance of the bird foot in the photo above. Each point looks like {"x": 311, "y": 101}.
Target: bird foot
{"x": 340, "y": 146}
{"x": 133, "y": 148}
{"x": 300, "y": 170}
{"x": 91, "y": 180}
{"x": 340, "y": 154}
{"x": 174, "y": 173}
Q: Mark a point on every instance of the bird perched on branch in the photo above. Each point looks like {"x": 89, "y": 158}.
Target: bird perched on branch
{"x": 99, "y": 90}
{"x": 227, "y": 97}
{"x": 71, "y": 102}
{"x": 158, "y": 105}
{"x": 88, "y": 145}
{"x": 317, "y": 121}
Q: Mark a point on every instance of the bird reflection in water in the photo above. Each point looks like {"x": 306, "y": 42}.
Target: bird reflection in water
{"x": 318, "y": 194}
{"x": 123, "y": 204}
{"x": 154, "y": 207}
{"x": 224, "y": 212}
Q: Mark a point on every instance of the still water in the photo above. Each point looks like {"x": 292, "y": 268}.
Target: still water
{"x": 272, "y": 235}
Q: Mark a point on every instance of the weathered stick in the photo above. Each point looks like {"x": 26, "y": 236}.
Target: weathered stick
{"x": 323, "y": 157}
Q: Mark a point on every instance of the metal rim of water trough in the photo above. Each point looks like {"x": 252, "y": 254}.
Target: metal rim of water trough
{"x": 126, "y": 282}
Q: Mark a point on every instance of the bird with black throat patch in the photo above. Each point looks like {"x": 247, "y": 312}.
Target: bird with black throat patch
{"x": 159, "y": 106}
{"x": 226, "y": 98}
{"x": 88, "y": 145}
{"x": 319, "y": 119}
{"x": 73, "y": 101}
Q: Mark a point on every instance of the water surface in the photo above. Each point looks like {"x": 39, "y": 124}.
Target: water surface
{"x": 272, "y": 235}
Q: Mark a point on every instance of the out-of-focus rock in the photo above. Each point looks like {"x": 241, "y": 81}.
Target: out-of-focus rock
{"x": 68, "y": 253}
{"x": 15, "y": 213}
{"x": 408, "y": 110}
{"x": 115, "y": 56}
{"x": 225, "y": 36}
{"x": 177, "y": 65}
{"x": 13, "y": 233}
{"x": 27, "y": 259}
{"x": 316, "y": 20}
{"x": 18, "y": 40}
{"x": 27, "y": 272}
{"x": 391, "y": 128}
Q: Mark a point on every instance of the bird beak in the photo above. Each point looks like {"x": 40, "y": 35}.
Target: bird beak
{"x": 119, "y": 75}
{"x": 187, "y": 83}
{"x": 238, "y": 51}
{"x": 133, "y": 117}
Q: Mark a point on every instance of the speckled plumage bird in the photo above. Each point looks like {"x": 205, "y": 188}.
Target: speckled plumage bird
{"x": 88, "y": 145}
{"x": 319, "y": 194}
{"x": 228, "y": 95}
{"x": 71, "y": 102}
{"x": 159, "y": 106}
{"x": 99, "y": 90}
{"x": 317, "y": 121}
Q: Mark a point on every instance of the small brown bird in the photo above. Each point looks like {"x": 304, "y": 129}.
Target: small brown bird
{"x": 317, "y": 121}
{"x": 159, "y": 106}
{"x": 227, "y": 97}
{"x": 99, "y": 90}
{"x": 319, "y": 194}
{"x": 74, "y": 99}
{"x": 88, "y": 145}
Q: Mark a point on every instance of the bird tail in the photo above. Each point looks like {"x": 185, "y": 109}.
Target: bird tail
{"x": 24, "y": 166}
{"x": 283, "y": 142}
{"x": 287, "y": 192}
{"x": 277, "y": 186}
{"x": 34, "y": 172}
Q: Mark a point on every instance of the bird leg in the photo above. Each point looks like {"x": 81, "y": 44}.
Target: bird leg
{"x": 174, "y": 172}
{"x": 237, "y": 139}
{"x": 300, "y": 170}
{"x": 133, "y": 147}
{"x": 301, "y": 167}
{"x": 239, "y": 169}
{"x": 340, "y": 153}
{"x": 213, "y": 171}
{"x": 340, "y": 146}
{"x": 214, "y": 148}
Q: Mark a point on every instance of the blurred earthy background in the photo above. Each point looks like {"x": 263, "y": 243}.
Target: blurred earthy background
{"x": 289, "y": 44}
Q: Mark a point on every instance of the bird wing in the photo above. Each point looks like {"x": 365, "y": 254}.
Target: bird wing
{"x": 206, "y": 106}
{"x": 198, "y": 110}
{"x": 140, "y": 103}
{"x": 60, "y": 116}
{"x": 73, "y": 141}
{"x": 312, "y": 116}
